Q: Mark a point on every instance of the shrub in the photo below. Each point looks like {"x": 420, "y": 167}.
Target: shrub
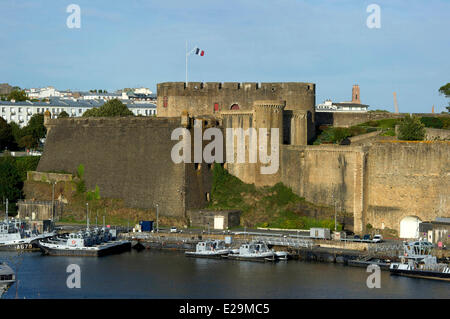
{"x": 445, "y": 123}
{"x": 433, "y": 122}
{"x": 411, "y": 129}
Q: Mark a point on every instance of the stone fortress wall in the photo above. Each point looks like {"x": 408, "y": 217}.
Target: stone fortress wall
{"x": 130, "y": 157}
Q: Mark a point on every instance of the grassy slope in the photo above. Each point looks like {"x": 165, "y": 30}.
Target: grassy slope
{"x": 274, "y": 206}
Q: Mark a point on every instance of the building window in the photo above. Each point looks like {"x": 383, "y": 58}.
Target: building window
{"x": 234, "y": 107}
{"x": 216, "y": 107}
{"x": 165, "y": 101}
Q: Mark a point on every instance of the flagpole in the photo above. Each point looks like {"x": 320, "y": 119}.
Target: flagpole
{"x": 186, "y": 62}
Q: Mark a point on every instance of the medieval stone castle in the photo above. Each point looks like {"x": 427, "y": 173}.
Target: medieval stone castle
{"x": 380, "y": 183}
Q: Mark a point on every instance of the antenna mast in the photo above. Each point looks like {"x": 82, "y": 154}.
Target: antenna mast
{"x": 395, "y": 102}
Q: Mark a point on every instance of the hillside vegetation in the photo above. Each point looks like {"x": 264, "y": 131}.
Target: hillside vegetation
{"x": 276, "y": 206}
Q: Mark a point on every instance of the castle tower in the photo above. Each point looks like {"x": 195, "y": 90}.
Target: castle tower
{"x": 269, "y": 115}
{"x": 356, "y": 98}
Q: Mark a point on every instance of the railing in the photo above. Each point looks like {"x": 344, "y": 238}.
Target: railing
{"x": 387, "y": 249}
{"x": 287, "y": 242}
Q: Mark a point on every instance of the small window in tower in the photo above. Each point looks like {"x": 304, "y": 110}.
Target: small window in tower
{"x": 165, "y": 103}
{"x": 216, "y": 107}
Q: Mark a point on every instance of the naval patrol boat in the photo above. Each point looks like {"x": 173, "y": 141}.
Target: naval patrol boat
{"x": 7, "y": 278}
{"x": 209, "y": 249}
{"x": 16, "y": 235}
{"x": 88, "y": 242}
{"x": 253, "y": 251}
{"x": 418, "y": 262}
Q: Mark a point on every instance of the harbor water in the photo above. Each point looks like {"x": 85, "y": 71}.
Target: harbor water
{"x": 169, "y": 274}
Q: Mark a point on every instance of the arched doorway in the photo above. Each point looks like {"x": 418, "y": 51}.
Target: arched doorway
{"x": 409, "y": 227}
{"x": 234, "y": 107}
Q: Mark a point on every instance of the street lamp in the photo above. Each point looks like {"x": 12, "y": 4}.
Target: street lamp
{"x": 53, "y": 198}
{"x": 157, "y": 218}
{"x": 87, "y": 216}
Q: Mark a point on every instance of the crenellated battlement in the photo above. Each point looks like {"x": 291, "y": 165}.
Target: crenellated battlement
{"x": 247, "y": 86}
{"x": 200, "y": 98}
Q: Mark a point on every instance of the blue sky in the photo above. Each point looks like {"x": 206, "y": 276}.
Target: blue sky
{"x": 140, "y": 43}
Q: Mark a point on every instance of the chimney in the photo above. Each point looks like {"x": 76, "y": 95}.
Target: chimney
{"x": 355, "y": 94}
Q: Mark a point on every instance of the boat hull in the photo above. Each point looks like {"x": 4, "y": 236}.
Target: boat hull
{"x": 26, "y": 244}
{"x": 210, "y": 256}
{"x": 251, "y": 258}
{"x": 111, "y": 248}
{"x": 421, "y": 274}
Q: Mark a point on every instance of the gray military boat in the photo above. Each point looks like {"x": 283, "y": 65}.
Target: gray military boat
{"x": 254, "y": 251}
{"x": 88, "y": 242}
{"x": 7, "y": 278}
{"x": 16, "y": 235}
{"x": 209, "y": 249}
{"x": 418, "y": 262}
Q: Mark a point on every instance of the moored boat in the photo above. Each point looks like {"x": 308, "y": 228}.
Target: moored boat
{"x": 7, "y": 278}
{"x": 254, "y": 251}
{"x": 209, "y": 249}
{"x": 418, "y": 262}
{"x": 16, "y": 235}
{"x": 89, "y": 242}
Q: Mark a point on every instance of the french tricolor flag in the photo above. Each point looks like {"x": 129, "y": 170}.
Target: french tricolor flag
{"x": 199, "y": 52}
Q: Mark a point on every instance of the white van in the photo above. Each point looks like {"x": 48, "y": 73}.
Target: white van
{"x": 377, "y": 239}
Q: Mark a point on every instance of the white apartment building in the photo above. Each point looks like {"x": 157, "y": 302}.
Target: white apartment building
{"x": 329, "y": 106}
{"x": 21, "y": 112}
{"x": 47, "y": 92}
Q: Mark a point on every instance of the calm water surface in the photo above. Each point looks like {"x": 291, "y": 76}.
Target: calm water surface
{"x": 167, "y": 274}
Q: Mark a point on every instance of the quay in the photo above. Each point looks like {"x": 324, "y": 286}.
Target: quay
{"x": 359, "y": 254}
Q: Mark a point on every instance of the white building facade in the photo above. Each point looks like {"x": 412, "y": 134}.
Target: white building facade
{"x": 21, "y": 112}
{"x": 329, "y": 106}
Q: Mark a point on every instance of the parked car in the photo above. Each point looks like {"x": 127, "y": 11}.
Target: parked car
{"x": 173, "y": 230}
{"x": 377, "y": 239}
{"x": 366, "y": 237}
{"x": 356, "y": 237}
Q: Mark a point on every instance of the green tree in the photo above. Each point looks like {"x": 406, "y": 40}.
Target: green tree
{"x": 36, "y": 126}
{"x": 109, "y": 109}
{"x": 10, "y": 181}
{"x": 6, "y": 135}
{"x": 63, "y": 114}
{"x": 445, "y": 90}
{"x": 91, "y": 112}
{"x": 28, "y": 141}
{"x": 18, "y": 95}
{"x": 411, "y": 129}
